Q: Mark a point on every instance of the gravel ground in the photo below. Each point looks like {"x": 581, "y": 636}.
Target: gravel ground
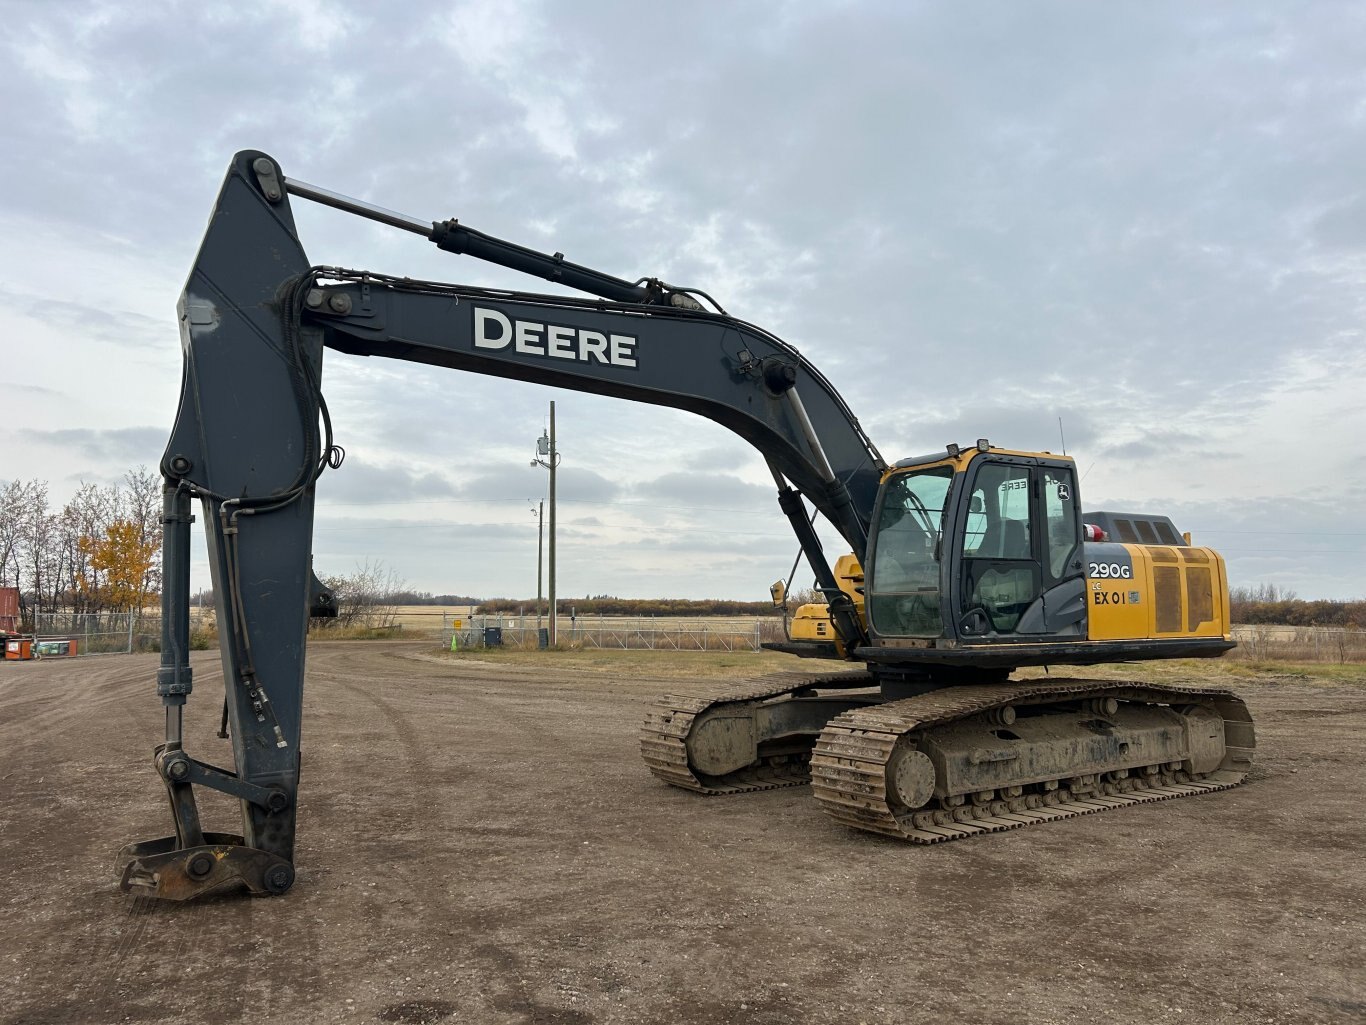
{"x": 479, "y": 842}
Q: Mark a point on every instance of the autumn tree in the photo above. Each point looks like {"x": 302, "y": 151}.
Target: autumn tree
{"x": 127, "y": 556}
{"x": 117, "y": 553}
{"x": 51, "y": 557}
{"x": 87, "y": 516}
{"x": 141, "y": 505}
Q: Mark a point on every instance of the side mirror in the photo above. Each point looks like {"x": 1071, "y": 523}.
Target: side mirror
{"x": 779, "y": 593}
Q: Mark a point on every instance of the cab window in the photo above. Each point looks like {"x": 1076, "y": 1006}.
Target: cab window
{"x": 904, "y": 588}
{"x": 1000, "y": 575}
{"x": 1060, "y": 519}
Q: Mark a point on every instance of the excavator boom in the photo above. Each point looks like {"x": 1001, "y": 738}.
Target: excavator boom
{"x": 252, "y": 435}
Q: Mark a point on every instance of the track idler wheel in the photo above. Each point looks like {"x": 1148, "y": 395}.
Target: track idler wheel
{"x": 910, "y": 776}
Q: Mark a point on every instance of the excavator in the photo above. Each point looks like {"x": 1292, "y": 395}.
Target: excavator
{"x": 963, "y": 565}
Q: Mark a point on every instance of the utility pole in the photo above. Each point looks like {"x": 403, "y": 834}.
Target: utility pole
{"x": 540, "y": 559}
{"x": 554, "y": 459}
{"x": 548, "y": 455}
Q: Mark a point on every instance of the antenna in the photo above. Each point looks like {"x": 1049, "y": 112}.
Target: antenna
{"x": 1061, "y": 438}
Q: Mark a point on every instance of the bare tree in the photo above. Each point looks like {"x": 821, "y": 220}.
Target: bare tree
{"x": 806, "y": 596}
{"x": 33, "y": 536}
{"x": 14, "y": 506}
{"x": 366, "y": 598}
{"x": 54, "y": 563}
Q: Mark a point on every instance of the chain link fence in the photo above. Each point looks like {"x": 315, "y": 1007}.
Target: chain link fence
{"x": 1340, "y": 644}
{"x": 619, "y": 632}
{"x": 102, "y": 633}
{"x": 65, "y": 633}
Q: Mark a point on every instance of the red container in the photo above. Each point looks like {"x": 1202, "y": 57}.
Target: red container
{"x": 9, "y": 609}
{"x": 18, "y": 649}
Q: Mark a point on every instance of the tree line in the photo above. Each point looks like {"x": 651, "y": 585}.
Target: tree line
{"x": 1271, "y": 605}
{"x": 607, "y": 605}
{"x": 99, "y": 552}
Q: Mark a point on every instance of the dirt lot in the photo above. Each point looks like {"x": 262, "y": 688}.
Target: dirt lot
{"x": 480, "y": 842}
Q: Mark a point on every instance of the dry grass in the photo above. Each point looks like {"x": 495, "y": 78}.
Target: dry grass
{"x": 1261, "y": 649}
{"x": 1301, "y": 643}
{"x": 644, "y": 663}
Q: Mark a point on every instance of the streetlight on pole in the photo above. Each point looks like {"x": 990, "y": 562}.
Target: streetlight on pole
{"x": 548, "y": 455}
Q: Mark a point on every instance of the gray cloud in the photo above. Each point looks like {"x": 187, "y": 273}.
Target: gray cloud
{"x": 31, "y": 389}
{"x": 1309, "y": 543}
{"x": 359, "y": 482}
{"x": 122, "y": 446}
{"x": 689, "y": 490}
{"x": 1158, "y": 444}
{"x": 1146, "y": 220}
{"x": 110, "y": 327}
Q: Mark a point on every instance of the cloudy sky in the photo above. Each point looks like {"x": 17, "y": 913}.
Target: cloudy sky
{"x": 1148, "y": 220}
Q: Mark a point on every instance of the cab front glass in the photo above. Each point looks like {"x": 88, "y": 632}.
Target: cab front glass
{"x": 904, "y": 590}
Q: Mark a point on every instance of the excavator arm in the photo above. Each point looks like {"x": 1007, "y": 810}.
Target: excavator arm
{"x": 252, "y": 435}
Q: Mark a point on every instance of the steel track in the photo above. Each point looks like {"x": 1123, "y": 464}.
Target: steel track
{"x": 664, "y": 733}
{"x": 849, "y": 763}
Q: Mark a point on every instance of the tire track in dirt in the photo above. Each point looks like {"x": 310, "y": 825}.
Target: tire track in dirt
{"x": 506, "y": 971}
{"x": 403, "y": 859}
{"x": 233, "y": 913}
{"x": 131, "y": 933}
{"x": 49, "y": 708}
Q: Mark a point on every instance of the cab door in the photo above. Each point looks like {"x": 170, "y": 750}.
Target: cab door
{"x": 1020, "y": 573}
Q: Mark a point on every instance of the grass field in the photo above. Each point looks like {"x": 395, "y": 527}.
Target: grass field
{"x": 1226, "y": 671}
{"x": 1260, "y": 643}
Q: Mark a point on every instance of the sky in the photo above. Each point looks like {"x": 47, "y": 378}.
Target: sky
{"x": 1138, "y": 231}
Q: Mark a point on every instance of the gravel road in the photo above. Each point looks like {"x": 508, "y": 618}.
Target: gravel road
{"x": 480, "y": 843}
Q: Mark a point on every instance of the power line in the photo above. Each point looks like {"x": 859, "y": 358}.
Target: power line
{"x": 1282, "y": 533}
{"x": 1292, "y": 551}
{"x": 654, "y": 531}
{"x": 753, "y": 510}
{"x": 563, "y": 501}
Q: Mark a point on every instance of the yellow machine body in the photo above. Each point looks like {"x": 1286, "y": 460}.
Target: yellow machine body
{"x": 1151, "y": 586}
{"x": 812, "y": 621}
{"x": 1169, "y": 591}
